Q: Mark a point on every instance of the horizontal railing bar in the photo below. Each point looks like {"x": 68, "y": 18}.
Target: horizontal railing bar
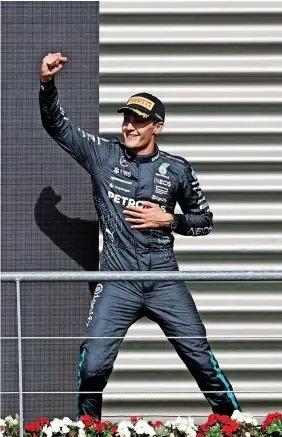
{"x": 216, "y": 40}
{"x": 146, "y": 337}
{"x": 112, "y": 276}
{"x": 165, "y": 415}
{"x": 129, "y": 8}
{"x": 141, "y": 392}
{"x": 160, "y": 415}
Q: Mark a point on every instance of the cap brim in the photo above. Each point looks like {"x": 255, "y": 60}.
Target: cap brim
{"x": 136, "y": 111}
{"x": 124, "y": 108}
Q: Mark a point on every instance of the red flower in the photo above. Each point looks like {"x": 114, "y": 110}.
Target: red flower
{"x": 99, "y": 427}
{"x": 230, "y": 429}
{"x": 44, "y": 421}
{"x": 33, "y": 427}
{"x": 87, "y": 420}
{"x": 158, "y": 423}
{"x": 107, "y": 422}
{"x": 113, "y": 430}
{"x": 212, "y": 419}
{"x": 225, "y": 420}
{"x": 271, "y": 417}
{"x": 227, "y": 430}
{"x": 199, "y": 435}
{"x": 235, "y": 426}
{"x": 133, "y": 419}
{"x": 204, "y": 429}
{"x": 2, "y": 428}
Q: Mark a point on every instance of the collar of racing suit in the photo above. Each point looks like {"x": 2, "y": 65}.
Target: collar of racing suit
{"x": 142, "y": 158}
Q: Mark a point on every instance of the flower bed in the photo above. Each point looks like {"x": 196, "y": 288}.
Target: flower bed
{"x": 240, "y": 424}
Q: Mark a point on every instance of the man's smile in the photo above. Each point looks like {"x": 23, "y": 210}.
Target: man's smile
{"x": 131, "y": 137}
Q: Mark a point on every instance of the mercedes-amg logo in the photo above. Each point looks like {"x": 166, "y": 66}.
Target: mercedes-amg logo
{"x": 123, "y": 162}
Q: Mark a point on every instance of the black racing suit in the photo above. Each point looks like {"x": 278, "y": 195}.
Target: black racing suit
{"x": 120, "y": 179}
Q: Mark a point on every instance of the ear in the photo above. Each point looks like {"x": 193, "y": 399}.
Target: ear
{"x": 158, "y": 127}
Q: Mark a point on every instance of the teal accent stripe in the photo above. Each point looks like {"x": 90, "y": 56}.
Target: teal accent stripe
{"x": 219, "y": 374}
{"x": 82, "y": 358}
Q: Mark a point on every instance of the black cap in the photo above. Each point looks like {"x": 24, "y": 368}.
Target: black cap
{"x": 146, "y": 105}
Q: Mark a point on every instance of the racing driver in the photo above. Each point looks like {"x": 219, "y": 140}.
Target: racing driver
{"x": 135, "y": 189}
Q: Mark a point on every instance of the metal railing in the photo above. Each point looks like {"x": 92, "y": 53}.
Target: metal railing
{"x": 239, "y": 275}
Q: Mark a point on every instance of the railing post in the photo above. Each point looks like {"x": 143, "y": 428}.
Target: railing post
{"x": 20, "y": 357}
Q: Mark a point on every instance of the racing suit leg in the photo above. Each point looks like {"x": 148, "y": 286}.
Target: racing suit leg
{"x": 173, "y": 308}
{"x": 115, "y": 306}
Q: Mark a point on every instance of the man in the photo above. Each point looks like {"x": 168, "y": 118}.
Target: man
{"x": 135, "y": 189}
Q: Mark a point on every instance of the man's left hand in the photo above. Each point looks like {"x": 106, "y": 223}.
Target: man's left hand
{"x": 152, "y": 216}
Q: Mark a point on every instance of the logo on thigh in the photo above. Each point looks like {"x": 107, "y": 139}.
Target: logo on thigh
{"x": 97, "y": 292}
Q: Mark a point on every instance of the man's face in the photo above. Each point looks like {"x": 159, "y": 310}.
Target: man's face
{"x": 138, "y": 132}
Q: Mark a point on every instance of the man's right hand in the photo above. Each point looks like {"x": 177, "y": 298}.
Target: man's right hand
{"x": 51, "y": 64}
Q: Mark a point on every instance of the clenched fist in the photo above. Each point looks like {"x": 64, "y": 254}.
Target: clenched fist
{"x": 51, "y": 64}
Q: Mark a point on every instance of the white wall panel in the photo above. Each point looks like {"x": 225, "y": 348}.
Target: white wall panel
{"x": 196, "y": 94}
{"x": 188, "y": 64}
{"x": 217, "y": 66}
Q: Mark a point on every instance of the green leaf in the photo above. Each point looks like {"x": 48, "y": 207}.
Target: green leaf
{"x": 90, "y": 432}
{"x": 107, "y": 433}
{"x": 275, "y": 428}
{"x": 215, "y": 431}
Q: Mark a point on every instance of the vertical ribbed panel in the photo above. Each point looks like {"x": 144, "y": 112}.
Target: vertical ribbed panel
{"x": 217, "y": 66}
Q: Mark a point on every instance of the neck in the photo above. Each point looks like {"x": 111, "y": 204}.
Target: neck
{"x": 146, "y": 155}
{"x": 145, "y": 150}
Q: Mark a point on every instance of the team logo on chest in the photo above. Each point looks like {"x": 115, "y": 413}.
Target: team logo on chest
{"x": 161, "y": 185}
{"x": 123, "y": 162}
{"x": 163, "y": 168}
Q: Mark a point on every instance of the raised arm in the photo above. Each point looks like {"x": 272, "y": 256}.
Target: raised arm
{"x": 196, "y": 218}
{"x": 90, "y": 151}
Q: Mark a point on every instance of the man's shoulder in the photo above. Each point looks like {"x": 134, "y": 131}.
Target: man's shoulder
{"x": 113, "y": 141}
{"x": 110, "y": 142}
{"x": 177, "y": 160}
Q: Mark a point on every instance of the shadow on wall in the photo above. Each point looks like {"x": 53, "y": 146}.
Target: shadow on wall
{"x": 77, "y": 238}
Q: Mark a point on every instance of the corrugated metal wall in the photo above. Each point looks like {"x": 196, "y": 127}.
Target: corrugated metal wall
{"x": 217, "y": 66}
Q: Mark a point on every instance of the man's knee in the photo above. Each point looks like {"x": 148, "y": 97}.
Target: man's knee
{"x": 95, "y": 370}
